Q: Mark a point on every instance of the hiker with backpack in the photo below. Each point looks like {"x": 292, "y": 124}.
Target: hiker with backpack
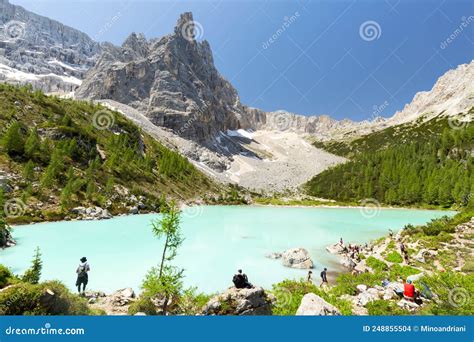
{"x": 82, "y": 276}
{"x": 324, "y": 279}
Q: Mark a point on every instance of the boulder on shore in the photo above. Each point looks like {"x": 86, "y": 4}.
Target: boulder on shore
{"x": 347, "y": 262}
{"x": 335, "y": 249}
{"x": 297, "y": 258}
{"x": 313, "y": 305}
{"x": 240, "y": 302}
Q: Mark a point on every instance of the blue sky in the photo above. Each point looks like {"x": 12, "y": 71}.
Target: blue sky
{"x": 321, "y": 61}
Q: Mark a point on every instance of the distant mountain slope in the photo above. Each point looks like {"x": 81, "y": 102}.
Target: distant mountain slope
{"x": 56, "y": 154}
{"x": 42, "y": 52}
{"x": 428, "y": 163}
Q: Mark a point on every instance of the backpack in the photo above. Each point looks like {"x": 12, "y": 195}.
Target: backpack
{"x": 82, "y": 271}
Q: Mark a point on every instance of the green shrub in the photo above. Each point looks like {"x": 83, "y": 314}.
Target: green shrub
{"x": 142, "y": 304}
{"x": 384, "y": 308}
{"x": 5, "y": 276}
{"x": 289, "y": 294}
{"x": 192, "y": 302}
{"x": 21, "y": 299}
{"x": 394, "y": 257}
{"x": 376, "y": 264}
{"x": 455, "y": 293}
{"x": 50, "y": 298}
{"x": 468, "y": 266}
{"x": 346, "y": 283}
{"x": 437, "y": 226}
{"x": 399, "y": 271}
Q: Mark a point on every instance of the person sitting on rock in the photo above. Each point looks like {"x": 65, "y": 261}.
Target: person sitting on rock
{"x": 82, "y": 276}
{"x": 324, "y": 279}
{"x": 241, "y": 281}
{"x": 409, "y": 290}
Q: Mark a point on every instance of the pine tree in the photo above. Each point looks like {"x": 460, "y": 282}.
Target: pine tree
{"x": 13, "y": 142}
{"x": 33, "y": 274}
{"x": 32, "y": 144}
{"x": 28, "y": 171}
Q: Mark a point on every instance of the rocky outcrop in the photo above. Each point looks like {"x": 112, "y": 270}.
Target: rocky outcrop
{"x": 116, "y": 303}
{"x": 295, "y": 257}
{"x": 240, "y": 302}
{"x": 313, "y": 305}
{"x": 93, "y": 213}
{"x": 42, "y": 52}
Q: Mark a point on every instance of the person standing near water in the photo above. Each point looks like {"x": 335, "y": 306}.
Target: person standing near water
{"x": 82, "y": 276}
{"x": 309, "y": 279}
{"x": 324, "y": 278}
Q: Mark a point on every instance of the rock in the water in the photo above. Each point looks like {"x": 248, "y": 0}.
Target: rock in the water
{"x": 297, "y": 258}
{"x": 274, "y": 255}
{"x": 335, "y": 249}
{"x": 240, "y": 302}
{"x": 313, "y": 305}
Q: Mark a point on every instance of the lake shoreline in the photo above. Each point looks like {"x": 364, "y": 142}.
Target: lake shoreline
{"x": 257, "y": 205}
{"x": 234, "y": 236}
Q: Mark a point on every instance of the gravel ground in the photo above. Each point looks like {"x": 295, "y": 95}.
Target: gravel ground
{"x": 284, "y": 160}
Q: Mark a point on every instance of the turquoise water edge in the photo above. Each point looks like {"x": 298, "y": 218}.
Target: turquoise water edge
{"x": 218, "y": 241}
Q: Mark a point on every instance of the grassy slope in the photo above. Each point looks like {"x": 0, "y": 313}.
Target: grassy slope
{"x": 133, "y": 160}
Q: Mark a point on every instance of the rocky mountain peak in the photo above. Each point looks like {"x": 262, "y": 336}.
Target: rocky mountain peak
{"x": 185, "y": 26}
{"x": 137, "y": 44}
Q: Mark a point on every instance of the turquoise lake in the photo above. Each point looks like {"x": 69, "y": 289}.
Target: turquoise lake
{"x": 218, "y": 241}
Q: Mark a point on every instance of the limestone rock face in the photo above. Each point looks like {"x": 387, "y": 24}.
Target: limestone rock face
{"x": 313, "y": 305}
{"x": 240, "y": 302}
{"x": 43, "y": 52}
{"x": 174, "y": 82}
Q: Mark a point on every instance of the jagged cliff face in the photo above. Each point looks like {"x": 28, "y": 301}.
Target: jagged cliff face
{"x": 453, "y": 93}
{"x": 172, "y": 80}
{"x": 42, "y": 52}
